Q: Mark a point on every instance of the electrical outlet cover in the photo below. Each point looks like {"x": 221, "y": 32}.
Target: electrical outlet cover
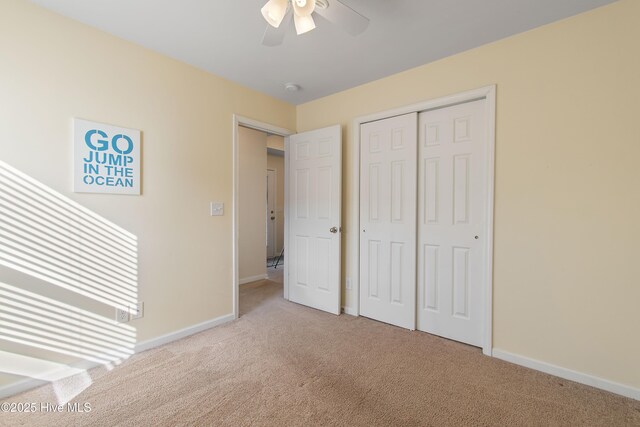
{"x": 122, "y": 316}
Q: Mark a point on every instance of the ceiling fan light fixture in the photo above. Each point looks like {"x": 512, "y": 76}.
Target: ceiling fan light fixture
{"x": 304, "y": 24}
{"x": 334, "y": 11}
{"x": 274, "y": 11}
{"x": 303, "y": 7}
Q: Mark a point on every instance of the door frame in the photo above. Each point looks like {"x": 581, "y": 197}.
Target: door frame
{"x": 488, "y": 93}
{"x": 239, "y": 120}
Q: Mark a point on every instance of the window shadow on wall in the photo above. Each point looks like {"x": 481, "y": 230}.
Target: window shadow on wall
{"x": 73, "y": 255}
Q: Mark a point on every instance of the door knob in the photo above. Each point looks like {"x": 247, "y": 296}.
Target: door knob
{"x": 333, "y": 229}
{"x": 273, "y": 217}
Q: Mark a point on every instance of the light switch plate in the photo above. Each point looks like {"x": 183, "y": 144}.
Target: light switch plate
{"x": 137, "y": 311}
{"x": 217, "y": 208}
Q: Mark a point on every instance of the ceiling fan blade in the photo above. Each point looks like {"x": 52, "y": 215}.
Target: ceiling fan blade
{"x": 343, "y": 16}
{"x": 275, "y": 36}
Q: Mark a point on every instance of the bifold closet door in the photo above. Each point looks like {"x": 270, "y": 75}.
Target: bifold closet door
{"x": 452, "y": 220}
{"x": 388, "y": 181}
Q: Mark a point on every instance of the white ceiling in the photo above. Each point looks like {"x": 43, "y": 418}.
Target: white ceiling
{"x": 224, "y": 36}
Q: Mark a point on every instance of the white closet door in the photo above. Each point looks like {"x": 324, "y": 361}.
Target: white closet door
{"x": 313, "y": 258}
{"x": 452, "y": 215}
{"x": 388, "y": 180}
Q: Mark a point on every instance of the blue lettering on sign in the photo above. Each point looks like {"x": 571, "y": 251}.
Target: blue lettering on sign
{"x": 116, "y": 148}
{"x": 103, "y": 143}
{"x": 108, "y": 169}
{"x": 108, "y": 181}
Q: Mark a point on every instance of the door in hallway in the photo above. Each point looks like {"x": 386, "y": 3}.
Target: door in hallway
{"x": 271, "y": 212}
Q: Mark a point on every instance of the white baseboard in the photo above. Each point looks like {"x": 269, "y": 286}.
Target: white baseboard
{"x": 350, "y": 311}
{"x": 30, "y": 383}
{"x": 20, "y": 386}
{"x": 64, "y": 371}
{"x": 568, "y": 374}
{"x": 174, "y": 336}
{"x": 252, "y": 279}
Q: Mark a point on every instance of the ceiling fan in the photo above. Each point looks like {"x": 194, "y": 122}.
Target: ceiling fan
{"x": 278, "y": 14}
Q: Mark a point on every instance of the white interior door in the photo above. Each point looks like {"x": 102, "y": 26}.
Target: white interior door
{"x": 452, "y": 193}
{"x": 271, "y": 212}
{"x": 388, "y": 181}
{"x": 315, "y": 182}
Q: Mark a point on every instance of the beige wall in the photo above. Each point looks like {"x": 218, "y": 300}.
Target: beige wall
{"x": 252, "y": 159}
{"x": 53, "y": 69}
{"x": 277, "y": 163}
{"x": 566, "y": 274}
{"x": 275, "y": 142}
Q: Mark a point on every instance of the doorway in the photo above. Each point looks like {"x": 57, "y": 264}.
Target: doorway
{"x": 275, "y": 211}
{"x": 250, "y": 242}
{"x": 312, "y": 214}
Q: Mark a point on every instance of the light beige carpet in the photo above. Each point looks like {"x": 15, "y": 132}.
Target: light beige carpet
{"x": 288, "y": 365}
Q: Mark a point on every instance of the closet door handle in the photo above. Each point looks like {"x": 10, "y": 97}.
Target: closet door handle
{"x": 333, "y": 229}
